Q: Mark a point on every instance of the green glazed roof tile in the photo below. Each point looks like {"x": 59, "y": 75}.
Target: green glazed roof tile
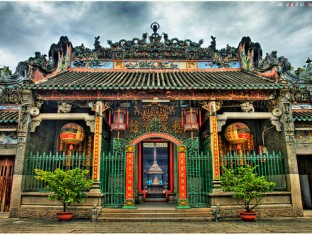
{"x": 174, "y": 80}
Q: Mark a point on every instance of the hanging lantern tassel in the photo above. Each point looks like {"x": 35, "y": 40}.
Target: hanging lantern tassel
{"x": 240, "y": 154}
{"x": 182, "y": 117}
{"x": 109, "y": 118}
{"x": 118, "y": 135}
{"x": 200, "y": 118}
{"x": 127, "y": 118}
{"x": 71, "y": 147}
{"x": 191, "y": 120}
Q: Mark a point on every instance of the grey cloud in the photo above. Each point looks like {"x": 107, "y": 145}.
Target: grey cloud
{"x": 26, "y": 27}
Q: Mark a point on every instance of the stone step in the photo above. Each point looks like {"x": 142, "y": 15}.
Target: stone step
{"x": 153, "y": 219}
{"x": 155, "y": 214}
{"x": 4, "y": 215}
{"x": 307, "y": 213}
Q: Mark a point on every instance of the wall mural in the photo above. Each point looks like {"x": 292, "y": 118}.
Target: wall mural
{"x": 152, "y": 64}
{"x": 303, "y": 137}
{"x": 214, "y": 65}
{"x": 8, "y": 137}
{"x": 145, "y": 64}
{"x": 95, "y": 64}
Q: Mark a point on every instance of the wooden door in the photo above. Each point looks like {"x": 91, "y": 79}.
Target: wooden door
{"x": 6, "y": 178}
{"x": 305, "y": 172}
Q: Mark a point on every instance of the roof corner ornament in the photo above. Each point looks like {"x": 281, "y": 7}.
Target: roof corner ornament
{"x": 5, "y": 73}
{"x": 97, "y": 45}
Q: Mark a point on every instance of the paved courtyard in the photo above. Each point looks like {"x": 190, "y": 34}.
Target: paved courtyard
{"x": 264, "y": 225}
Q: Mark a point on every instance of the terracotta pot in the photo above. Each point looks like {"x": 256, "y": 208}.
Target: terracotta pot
{"x": 64, "y": 216}
{"x": 248, "y": 216}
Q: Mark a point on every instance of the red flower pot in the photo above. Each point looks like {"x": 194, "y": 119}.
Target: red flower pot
{"x": 248, "y": 216}
{"x": 64, "y": 216}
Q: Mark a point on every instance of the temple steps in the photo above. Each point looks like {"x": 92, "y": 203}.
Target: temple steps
{"x": 154, "y": 213}
{"x": 4, "y": 215}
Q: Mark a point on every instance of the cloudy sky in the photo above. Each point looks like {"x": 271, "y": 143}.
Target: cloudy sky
{"x": 30, "y": 26}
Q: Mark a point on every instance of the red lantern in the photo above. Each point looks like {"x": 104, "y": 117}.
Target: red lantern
{"x": 190, "y": 119}
{"x": 72, "y": 134}
{"x": 119, "y": 119}
{"x": 237, "y": 133}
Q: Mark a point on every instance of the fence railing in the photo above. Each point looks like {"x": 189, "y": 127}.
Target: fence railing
{"x": 113, "y": 179}
{"x": 270, "y": 165}
{"x": 50, "y": 162}
{"x": 199, "y": 179}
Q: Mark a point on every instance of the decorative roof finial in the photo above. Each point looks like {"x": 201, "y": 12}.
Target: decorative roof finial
{"x": 155, "y": 26}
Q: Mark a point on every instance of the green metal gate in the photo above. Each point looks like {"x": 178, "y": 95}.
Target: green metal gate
{"x": 199, "y": 174}
{"x": 113, "y": 175}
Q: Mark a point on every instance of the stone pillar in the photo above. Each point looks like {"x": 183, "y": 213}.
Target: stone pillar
{"x": 22, "y": 134}
{"x": 97, "y": 148}
{"x": 293, "y": 181}
{"x": 216, "y": 184}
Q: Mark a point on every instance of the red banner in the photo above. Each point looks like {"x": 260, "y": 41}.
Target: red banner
{"x": 129, "y": 172}
{"x": 182, "y": 174}
{"x": 96, "y": 148}
{"x": 215, "y": 146}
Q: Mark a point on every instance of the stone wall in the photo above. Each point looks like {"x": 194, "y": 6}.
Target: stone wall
{"x": 274, "y": 204}
{"x": 37, "y": 205}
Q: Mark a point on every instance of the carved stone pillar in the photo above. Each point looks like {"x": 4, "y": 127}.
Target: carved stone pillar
{"x": 293, "y": 182}
{"x": 22, "y": 134}
{"x": 97, "y": 147}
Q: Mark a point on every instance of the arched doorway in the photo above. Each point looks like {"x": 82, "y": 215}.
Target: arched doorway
{"x": 154, "y": 183}
{"x": 156, "y": 159}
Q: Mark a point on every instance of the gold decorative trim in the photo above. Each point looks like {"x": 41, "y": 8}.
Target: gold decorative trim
{"x": 129, "y": 203}
{"x": 130, "y": 149}
{"x": 182, "y": 149}
{"x": 183, "y": 202}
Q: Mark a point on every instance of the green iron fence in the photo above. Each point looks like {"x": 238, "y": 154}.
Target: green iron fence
{"x": 270, "y": 165}
{"x": 50, "y": 162}
{"x": 199, "y": 174}
{"x": 113, "y": 175}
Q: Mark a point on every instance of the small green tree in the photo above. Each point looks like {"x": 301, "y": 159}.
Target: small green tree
{"x": 247, "y": 186}
{"x": 66, "y": 186}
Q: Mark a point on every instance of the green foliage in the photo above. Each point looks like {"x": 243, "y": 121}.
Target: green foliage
{"x": 67, "y": 186}
{"x": 247, "y": 186}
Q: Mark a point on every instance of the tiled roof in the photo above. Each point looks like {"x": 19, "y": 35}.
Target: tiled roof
{"x": 8, "y": 116}
{"x": 302, "y": 116}
{"x": 174, "y": 80}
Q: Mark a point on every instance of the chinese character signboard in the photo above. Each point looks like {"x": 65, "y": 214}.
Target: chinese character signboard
{"x": 183, "y": 203}
{"x": 129, "y": 177}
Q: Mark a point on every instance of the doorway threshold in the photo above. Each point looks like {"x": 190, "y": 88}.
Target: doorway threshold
{"x": 156, "y": 205}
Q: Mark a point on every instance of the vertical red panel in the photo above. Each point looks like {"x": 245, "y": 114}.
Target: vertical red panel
{"x": 129, "y": 173}
{"x": 96, "y": 148}
{"x": 182, "y": 174}
{"x": 215, "y": 146}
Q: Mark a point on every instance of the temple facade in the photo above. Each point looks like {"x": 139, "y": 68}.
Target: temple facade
{"x": 155, "y": 120}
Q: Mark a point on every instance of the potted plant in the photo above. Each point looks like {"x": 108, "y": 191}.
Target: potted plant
{"x": 65, "y": 186}
{"x": 248, "y": 188}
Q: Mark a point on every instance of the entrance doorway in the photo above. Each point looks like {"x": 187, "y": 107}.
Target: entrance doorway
{"x": 305, "y": 176}
{"x": 155, "y": 174}
{"x": 6, "y": 179}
